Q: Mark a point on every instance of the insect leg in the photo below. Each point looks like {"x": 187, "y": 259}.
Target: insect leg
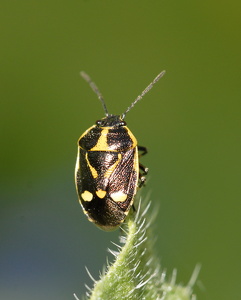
{"x": 143, "y": 170}
{"x": 142, "y": 150}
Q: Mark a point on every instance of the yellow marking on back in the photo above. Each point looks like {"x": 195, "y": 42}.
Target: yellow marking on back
{"x": 112, "y": 168}
{"x": 102, "y": 144}
{"x": 118, "y": 196}
{"x": 87, "y": 196}
{"x": 100, "y": 193}
{"x": 77, "y": 168}
{"x": 92, "y": 169}
{"x": 136, "y": 164}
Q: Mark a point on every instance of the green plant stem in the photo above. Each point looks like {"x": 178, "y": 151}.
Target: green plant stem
{"x": 136, "y": 271}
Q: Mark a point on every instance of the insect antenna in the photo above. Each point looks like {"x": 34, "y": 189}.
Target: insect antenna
{"x": 96, "y": 90}
{"x": 146, "y": 90}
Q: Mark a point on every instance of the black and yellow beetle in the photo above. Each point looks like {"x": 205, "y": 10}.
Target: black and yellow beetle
{"x": 108, "y": 172}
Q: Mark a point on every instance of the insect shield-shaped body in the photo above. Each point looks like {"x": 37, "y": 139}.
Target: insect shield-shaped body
{"x": 107, "y": 172}
{"x": 107, "y": 169}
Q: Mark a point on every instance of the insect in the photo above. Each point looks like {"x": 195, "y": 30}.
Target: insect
{"x": 107, "y": 172}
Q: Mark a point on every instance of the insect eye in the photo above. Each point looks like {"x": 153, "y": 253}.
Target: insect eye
{"x": 98, "y": 122}
{"x": 122, "y": 123}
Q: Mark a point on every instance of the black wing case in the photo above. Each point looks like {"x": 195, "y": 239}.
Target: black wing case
{"x": 112, "y": 172}
{"x": 125, "y": 178}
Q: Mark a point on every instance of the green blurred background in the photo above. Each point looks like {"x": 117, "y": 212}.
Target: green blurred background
{"x": 190, "y": 123}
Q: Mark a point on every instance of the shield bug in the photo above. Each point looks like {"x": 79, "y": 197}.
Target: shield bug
{"x": 108, "y": 172}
